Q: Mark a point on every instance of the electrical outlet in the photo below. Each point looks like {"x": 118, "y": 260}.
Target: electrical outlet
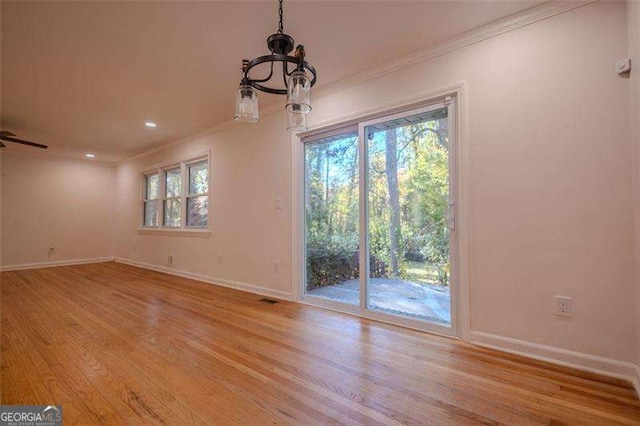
{"x": 563, "y": 306}
{"x": 279, "y": 204}
{"x": 276, "y": 267}
{"x": 169, "y": 259}
{"x": 219, "y": 260}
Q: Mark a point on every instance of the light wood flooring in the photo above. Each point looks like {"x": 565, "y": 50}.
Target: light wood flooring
{"x": 116, "y": 344}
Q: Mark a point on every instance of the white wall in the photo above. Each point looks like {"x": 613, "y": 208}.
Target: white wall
{"x": 548, "y": 196}
{"x": 250, "y": 169}
{"x": 51, "y": 200}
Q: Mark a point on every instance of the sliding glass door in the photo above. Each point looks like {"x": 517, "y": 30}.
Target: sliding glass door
{"x": 332, "y": 208}
{"x": 407, "y": 204}
{"x": 379, "y": 218}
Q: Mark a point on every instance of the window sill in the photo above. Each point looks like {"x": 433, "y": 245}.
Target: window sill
{"x": 197, "y": 233}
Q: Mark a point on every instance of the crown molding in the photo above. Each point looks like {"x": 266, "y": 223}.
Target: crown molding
{"x": 56, "y": 156}
{"x": 165, "y": 145}
{"x": 482, "y": 33}
{"x": 492, "y": 29}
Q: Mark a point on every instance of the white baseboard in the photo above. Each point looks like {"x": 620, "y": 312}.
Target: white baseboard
{"x": 54, "y": 263}
{"x": 236, "y": 285}
{"x": 585, "y": 362}
{"x": 636, "y": 380}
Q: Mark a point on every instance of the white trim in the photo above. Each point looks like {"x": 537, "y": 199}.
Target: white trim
{"x": 55, "y": 263}
{"x": 52, "y": 155}
{"x": 202, "y": 155}
{"x": 578, "y": 360}
{"x": 414, "y": 101}
{"x": 236, "y": 285}
{"x": 484, "y": 32}
{"x": 447, "y": 102}
{"x": 176, "y": 232}
{"x": 312, "y": 136}
{"x": 161, "y": 169}
{"x": 451, "y": 103}
{"x": 463, "y": 212}
{"x": 297, "y": 216}
{"x": 364, "y": 250}
{"x": 585, "y": 362}
{"x": 449, "y": 97}
{"x": 168, "y": 143}
{"x": 636, "y": 380}
{"x": 344, "y": 308}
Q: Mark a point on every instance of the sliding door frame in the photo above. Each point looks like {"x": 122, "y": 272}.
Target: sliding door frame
{"x": 459, "y": 308}
{"x": 363, "y": 146}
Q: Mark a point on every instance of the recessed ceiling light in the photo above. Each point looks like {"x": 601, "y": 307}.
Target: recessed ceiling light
{"x": 89, "y": 155}
{"x": 150, "y": 124}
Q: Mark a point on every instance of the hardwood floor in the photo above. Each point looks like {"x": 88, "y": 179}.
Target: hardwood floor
{"x": 117, "y": 344}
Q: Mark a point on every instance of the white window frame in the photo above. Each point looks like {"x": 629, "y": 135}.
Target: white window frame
{"x": 180, "y": 168}
{"x": 161, "y": 169}
{"x": 145, "y": 200}
{"x": 189, "y": 194}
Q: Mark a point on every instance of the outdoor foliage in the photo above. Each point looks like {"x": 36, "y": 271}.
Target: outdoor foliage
{"x": 331, "y": 265}
{"x": 408, "y": 193}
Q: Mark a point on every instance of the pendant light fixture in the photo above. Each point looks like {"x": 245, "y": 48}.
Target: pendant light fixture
{"x": 296, "y": 118}
{"x": 297, "y": 77}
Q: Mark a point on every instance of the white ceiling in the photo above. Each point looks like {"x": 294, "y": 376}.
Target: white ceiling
{"x": 85, "y": 76}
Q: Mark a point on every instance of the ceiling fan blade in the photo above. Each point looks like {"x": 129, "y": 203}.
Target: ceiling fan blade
{"x": 5, "y": 133}
{"x": 16, "y": 140}
{"x": 2, "y": 145}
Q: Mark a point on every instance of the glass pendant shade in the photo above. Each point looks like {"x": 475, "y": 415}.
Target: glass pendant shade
{"x": 246, "y": 104}
{"x": 296, "y": 119}
{"x": 299, "y": 92}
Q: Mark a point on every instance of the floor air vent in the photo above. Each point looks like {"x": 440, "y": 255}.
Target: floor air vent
{"x": 269, "y": 301}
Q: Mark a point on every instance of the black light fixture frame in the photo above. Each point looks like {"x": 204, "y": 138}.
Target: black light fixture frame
{"x": 280, "y": 45}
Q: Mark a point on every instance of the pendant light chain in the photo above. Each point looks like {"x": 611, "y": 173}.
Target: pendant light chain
{"x": 280, "y": 26}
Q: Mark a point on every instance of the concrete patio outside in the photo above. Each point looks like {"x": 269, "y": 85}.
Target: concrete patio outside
{"x": 397, "y": 296}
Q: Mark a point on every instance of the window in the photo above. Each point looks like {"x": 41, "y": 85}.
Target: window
{"x": 184, "y": 202}
{"x": 197, "y": 199}
{"x": 171, "y": 200}
{"x": 151, "y": 200}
